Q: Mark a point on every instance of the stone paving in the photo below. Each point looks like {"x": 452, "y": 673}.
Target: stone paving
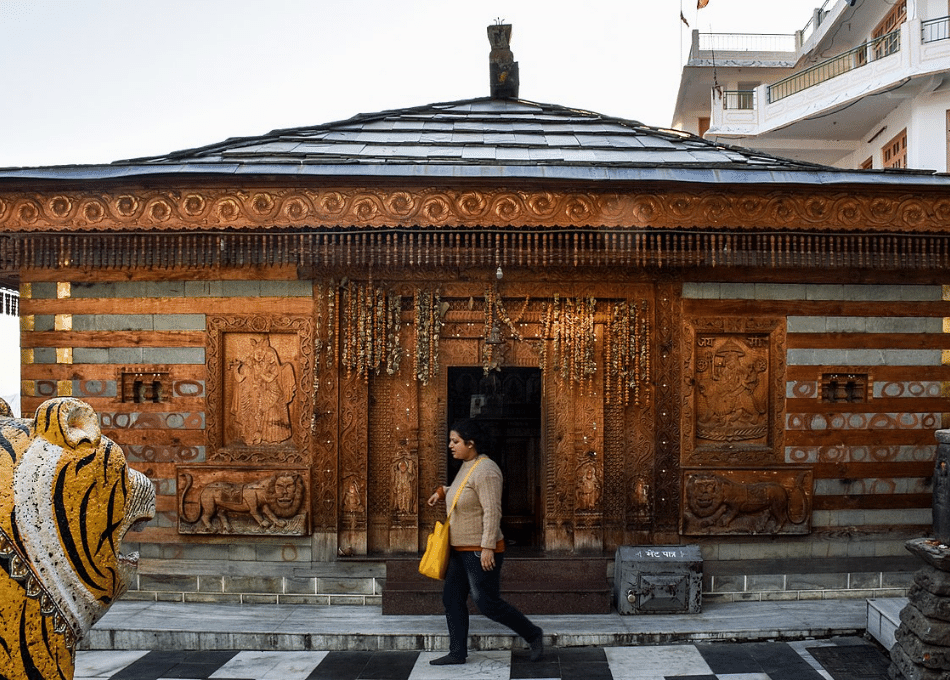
{"x": 804, "y": 640}
{"x": 177, "y": 626}
{"x": 834, "y": 659}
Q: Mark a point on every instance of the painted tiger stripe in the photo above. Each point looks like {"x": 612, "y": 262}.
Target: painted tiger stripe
{"x": 51, "y": 406}
{"x": 65, "y": 533}
{"x": 84, "y": 529}
{"x": 26, "y": 657}
{"x": 7, "y": 446}
{"x": 107, "y": 457}
{"x": 111, "y": 526}
{"x": 48, "y": 634}
{"x": 83, "y": 462}
{"x": 15, "y": 536}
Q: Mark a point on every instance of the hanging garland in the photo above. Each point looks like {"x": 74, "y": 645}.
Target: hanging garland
{"x": 362, "y": 324}
{"x": 627, "y": 352}
{"x": 569, "y": 346}
{"x": 358, "y": 326}
{"x": 569, "y": 325}
{"x": 430, "y": 313}
{"x": 497, "y": 315}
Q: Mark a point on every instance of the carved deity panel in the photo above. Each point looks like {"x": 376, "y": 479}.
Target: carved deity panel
{"x": 259, "y": 388}
{"x": 724, "y": 502}
{"x": 734, "y": 391}
{"x": 244, "y": 501}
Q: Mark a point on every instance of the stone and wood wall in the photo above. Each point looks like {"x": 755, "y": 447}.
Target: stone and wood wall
{"x": 288, "y": 389}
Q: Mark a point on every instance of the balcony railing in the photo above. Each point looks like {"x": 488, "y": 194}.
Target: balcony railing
{"x": 738, "y": 100}
{"x": 887, "y": 44}
{"x": 934, "y": 30}
{"x": 815, "y": 21}
{"x": 9, "y": 302}
{"x": 747, "y": 42}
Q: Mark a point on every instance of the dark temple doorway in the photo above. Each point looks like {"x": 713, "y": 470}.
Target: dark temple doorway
{"x": 508, "y": 403}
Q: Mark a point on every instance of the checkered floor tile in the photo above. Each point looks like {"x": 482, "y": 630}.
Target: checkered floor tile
{"x": 839, "y": 659}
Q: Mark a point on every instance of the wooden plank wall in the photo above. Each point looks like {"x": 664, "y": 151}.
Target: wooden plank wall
{"x": 85, "y": 339}
{"x": 872, "y": 458}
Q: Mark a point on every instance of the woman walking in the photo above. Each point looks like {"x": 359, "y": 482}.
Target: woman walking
{"x": 477, "y": 546}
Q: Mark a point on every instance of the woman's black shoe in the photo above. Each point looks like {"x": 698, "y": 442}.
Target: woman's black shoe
{"x": 447, "y": 660}
{"x": 537, "y": 647}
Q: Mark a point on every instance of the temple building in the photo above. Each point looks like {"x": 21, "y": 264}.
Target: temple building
{"x": 673, "y": 341}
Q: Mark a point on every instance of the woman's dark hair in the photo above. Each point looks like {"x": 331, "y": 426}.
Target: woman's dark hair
{"x": 472, "y": 430}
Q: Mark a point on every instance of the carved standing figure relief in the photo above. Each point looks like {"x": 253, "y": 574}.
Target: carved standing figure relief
{"x": 404, "y": 478}
{"x": 352, "y": 499}
{"x": 273, "y": 503}
{"x": 264, "y": 388}
{"x": 588, "y": 485}
{"x": 733, "y": 398}
{"x": 716, "y": 504}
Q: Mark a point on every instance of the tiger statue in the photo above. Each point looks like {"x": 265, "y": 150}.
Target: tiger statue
{"x": 67, "y": 499}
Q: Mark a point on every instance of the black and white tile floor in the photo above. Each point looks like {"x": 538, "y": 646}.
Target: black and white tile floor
{"x": 845, "y": 658}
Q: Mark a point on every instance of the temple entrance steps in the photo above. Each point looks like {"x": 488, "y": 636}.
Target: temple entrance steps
{"x": 535, "y": 585}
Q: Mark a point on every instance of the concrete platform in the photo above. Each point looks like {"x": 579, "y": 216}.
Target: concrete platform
{"x": 136, "y": 625}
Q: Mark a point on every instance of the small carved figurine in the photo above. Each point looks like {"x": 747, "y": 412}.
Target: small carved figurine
{"x": 588, "y": 485}
{"x": 404, "y": 478}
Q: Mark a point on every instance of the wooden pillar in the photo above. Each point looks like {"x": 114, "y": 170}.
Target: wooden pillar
{"x": 354, "y": 463}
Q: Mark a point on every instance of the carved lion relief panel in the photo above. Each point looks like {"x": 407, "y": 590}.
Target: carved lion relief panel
{"x": 734, "y": 391}
{"x": 247, "y": 501}
{"x": 260, "y": 374}
{"x": 720, "y": 502}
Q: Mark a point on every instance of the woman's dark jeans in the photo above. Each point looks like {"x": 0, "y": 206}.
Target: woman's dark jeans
{"x": 465, "y": 576}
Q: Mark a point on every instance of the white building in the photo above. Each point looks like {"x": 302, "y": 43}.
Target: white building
{"x": 865, "y": 84}
{"x": 10, "y": 348}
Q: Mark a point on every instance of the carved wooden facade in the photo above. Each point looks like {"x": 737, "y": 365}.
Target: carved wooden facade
{"x": 323, "y": 411}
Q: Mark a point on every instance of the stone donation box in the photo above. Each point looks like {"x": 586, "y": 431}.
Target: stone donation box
{"x": 658, "y": 579}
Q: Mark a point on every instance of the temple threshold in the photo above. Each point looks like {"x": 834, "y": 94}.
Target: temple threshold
{"x": 535, "y": 585}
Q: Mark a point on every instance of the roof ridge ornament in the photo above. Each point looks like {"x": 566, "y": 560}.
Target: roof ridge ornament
{"x": 503, "y": 69}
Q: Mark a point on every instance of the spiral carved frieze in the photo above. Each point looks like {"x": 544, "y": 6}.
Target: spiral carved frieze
{"x": 197, "y": 209}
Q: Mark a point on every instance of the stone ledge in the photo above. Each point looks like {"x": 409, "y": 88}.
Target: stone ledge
{"x": 884, "y": 618}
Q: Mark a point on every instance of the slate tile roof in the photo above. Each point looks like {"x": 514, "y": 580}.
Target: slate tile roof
{"x": 499, "y": 139}
{"x": 490, "y": 131}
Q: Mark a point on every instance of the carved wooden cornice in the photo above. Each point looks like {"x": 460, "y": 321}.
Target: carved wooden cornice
{"x": 723, "y": 207}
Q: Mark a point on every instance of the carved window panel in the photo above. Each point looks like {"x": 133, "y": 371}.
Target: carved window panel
{"x": 746, "y": 502}
{"x": 140, "y": 387}
{"x": 734, "y": 392}
{"x": 845, "y": 388}
{"x": 244, "y": 501}
{"x": 260, "y": 380}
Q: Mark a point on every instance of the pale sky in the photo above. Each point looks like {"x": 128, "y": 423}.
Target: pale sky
{"x": 93, "y": 81}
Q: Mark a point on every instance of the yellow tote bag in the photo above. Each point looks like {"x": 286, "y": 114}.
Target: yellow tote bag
{"x": 435, "y": 560}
